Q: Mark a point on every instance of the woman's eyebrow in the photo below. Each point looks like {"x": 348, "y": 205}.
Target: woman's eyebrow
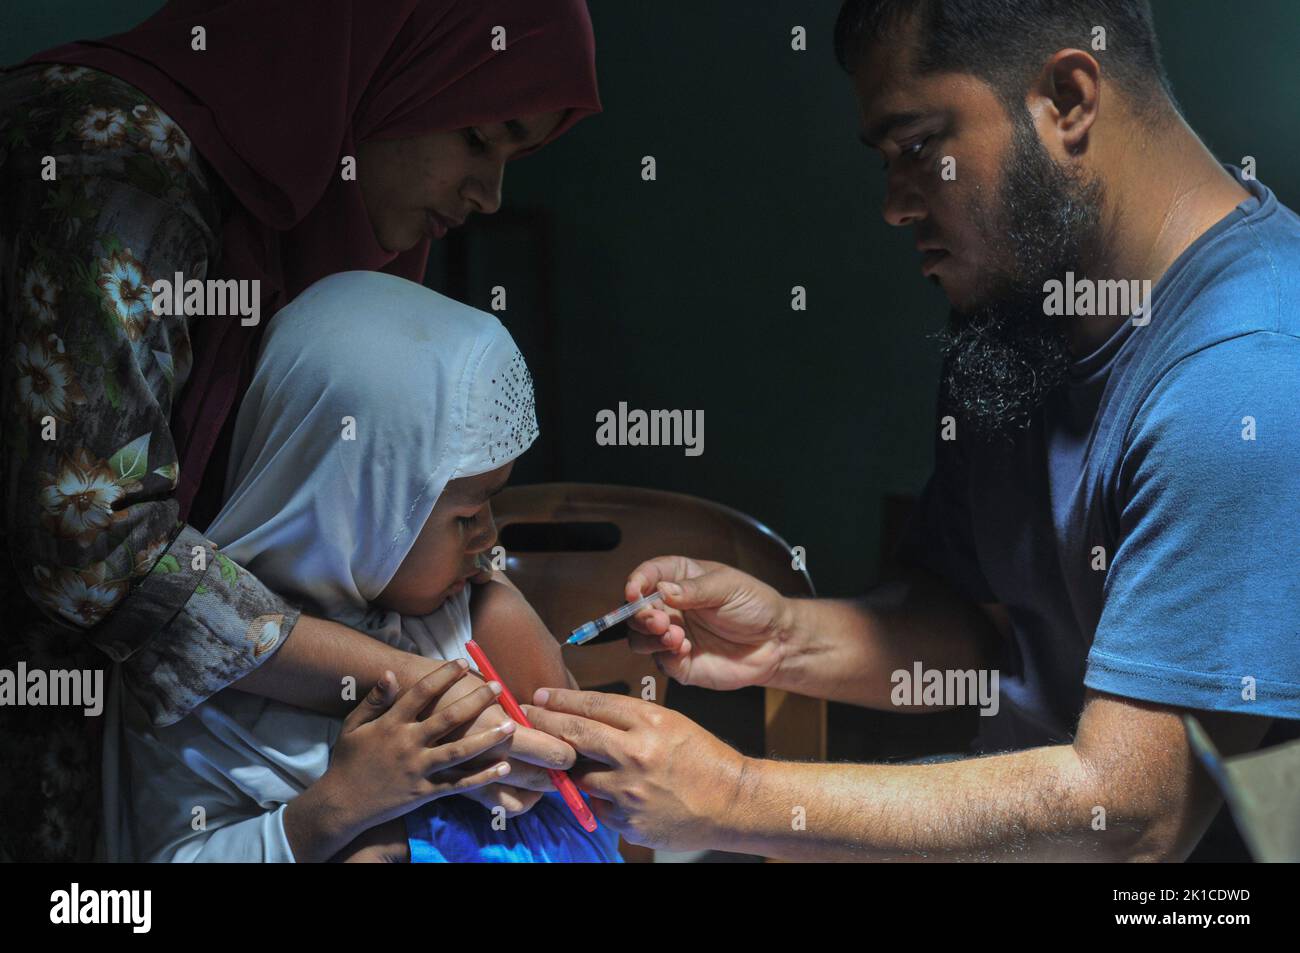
{"x": 518, "y": 131}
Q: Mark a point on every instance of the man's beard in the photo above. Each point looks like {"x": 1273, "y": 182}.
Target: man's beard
{"x": 1004, "y": 356}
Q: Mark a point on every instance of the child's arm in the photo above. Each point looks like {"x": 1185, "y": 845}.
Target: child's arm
{"x": 526, "y": 657}
{"x": 525, "y": 654}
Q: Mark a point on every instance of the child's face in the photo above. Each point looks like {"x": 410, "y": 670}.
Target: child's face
{"x": 444, "y": 556}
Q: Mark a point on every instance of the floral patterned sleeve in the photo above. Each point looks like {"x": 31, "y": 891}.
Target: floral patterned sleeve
{"x": 100, "y": 196}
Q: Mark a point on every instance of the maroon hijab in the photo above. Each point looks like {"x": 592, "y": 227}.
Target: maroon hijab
{"x": 284, "y": 90}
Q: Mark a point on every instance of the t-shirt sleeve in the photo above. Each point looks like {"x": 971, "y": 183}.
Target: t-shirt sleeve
{"x": 1202, "y": 598}
{"x": 939, "y": 536}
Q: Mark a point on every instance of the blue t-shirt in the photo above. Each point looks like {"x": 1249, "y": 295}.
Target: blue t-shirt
{"x": 1175, "y": 447}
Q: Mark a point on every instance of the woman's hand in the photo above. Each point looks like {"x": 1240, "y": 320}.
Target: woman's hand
{"x": 387, "y": 761}
{"x": 718, "y": 627}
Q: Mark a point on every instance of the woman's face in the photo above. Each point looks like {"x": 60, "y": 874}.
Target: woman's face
{"x": 413, "y": 188}
{"x": 445, "y": 553}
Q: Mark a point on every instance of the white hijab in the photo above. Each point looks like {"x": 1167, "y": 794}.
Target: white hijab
{"x": 371, "y": 392}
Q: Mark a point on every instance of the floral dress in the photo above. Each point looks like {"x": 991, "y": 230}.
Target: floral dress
{"x": 101, "y": 194}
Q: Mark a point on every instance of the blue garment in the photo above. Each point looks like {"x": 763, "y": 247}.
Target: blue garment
{"x": 1143, "y": 454}
{"x": 455, "y": 830}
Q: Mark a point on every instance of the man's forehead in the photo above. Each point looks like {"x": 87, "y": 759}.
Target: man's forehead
{"x": 888, "y": 100}
{"x": 884, "y": 68}
{"x": 885, "y": 80}
{"x": 894, "y": 100}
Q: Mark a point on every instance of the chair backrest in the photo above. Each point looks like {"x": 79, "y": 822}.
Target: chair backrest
{"x": 570, "y": 546}
{"x": 1260, "y": 788}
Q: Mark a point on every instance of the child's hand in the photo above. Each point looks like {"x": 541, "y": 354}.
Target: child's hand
{"x": 514, "y": 801}
{"x": 388, "y": 760}
{"x": 528, "y": 751}
{"x": 528, "y": 781}
{"x": 385, "y": 844}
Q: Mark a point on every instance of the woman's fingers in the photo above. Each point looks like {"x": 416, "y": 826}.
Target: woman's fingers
{"x": 460, "y": 712}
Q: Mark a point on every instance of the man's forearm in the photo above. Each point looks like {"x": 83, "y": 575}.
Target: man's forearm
{"x": 1031, "y": 805}
{"x": 309, "y": 667}
{"x": 846, "y": 649}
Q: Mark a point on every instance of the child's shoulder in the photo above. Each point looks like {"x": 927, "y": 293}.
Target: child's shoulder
{"x": 515, "y": 638}
{"x": 498, "y": 601}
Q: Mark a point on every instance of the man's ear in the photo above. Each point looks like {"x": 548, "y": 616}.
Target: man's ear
{"x": 1068, "y": 95}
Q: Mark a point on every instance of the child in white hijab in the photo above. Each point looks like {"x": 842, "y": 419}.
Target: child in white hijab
{"x": 371, "y": 395}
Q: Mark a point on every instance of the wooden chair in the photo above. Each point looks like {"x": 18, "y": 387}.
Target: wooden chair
{"x": 1260, "y": 789}
{"x": 569, "y": 548}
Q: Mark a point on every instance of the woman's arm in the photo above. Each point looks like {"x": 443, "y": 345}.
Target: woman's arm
{"x": 92, "y": 467}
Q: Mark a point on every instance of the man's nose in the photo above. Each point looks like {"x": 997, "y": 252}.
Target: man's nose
{"x": 904, "y": 204}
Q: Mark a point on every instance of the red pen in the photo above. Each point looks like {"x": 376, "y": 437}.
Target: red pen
{"x": 563, "y": 783}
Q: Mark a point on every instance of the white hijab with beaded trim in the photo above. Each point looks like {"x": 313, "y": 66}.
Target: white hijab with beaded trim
{"x": 370, "y": 394}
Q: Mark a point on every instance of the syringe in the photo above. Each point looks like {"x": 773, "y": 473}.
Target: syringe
{"x": 589, "y": 630}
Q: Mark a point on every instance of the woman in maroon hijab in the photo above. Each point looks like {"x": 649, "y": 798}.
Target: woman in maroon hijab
{"x": 262, "y": 142}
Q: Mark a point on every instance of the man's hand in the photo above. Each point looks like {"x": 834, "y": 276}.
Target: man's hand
{"x": 721, "y": 629}
{"x": 1128, "y": 788}
{"x": 659, "y": 779}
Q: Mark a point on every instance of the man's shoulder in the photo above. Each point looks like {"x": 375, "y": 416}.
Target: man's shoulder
{"x": 1233, "y": 315}
{"x": 1247, "y": 280}
{"x": 1224, "y": 399}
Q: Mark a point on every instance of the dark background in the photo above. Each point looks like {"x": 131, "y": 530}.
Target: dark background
{"x": 675, "y": 294}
